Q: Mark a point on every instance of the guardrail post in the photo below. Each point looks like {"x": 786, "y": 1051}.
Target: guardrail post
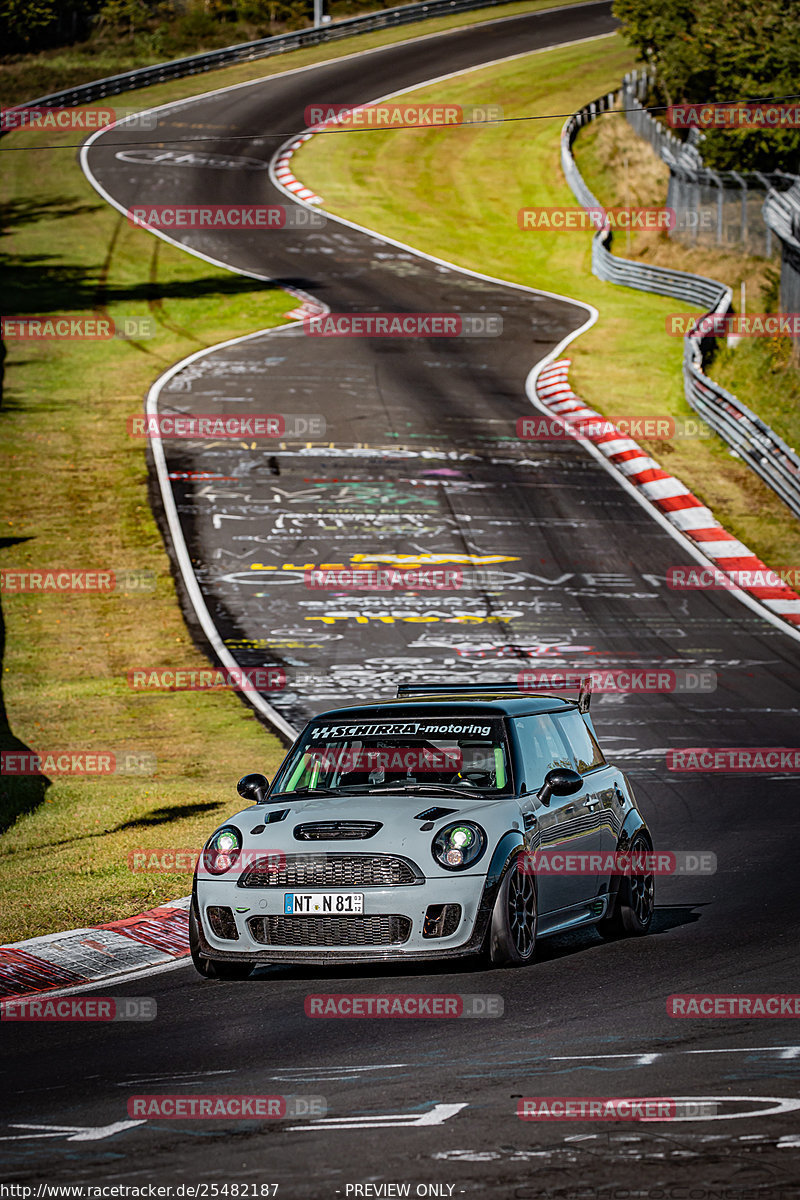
{"x": 743, "y": 184}
{"x": 718, "y": 184}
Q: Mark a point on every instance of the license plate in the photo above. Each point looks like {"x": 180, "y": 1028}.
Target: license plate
{"x": 322, "y": 904}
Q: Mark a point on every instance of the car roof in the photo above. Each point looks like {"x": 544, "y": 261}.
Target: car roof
{"x": 452, "y": 704}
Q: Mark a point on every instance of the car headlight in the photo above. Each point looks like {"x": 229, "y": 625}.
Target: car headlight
{"x": 222, "y": 850}
{"x": 458, "y": 846}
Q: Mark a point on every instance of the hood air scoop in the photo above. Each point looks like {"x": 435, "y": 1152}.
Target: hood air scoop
{"x": 345, "y": 831}
{"x": 433, "y": 814}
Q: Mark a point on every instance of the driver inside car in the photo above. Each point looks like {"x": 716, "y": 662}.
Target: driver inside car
{"x": 477, "y": 765}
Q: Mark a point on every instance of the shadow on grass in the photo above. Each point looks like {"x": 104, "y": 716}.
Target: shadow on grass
{"x": 37, "y": 284}
{"x": 159, "y": 816}
{"x": 19, "y": 794}
{"x": 16, "y": 213}
{"x": 40, "y": 284}
{"x": 162, "y": 816}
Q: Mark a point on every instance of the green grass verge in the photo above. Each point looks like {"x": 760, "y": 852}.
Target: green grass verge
{"x": 456, "y": 193}
{"x": 764, "y": 374}
{"x": 25, "y": 77}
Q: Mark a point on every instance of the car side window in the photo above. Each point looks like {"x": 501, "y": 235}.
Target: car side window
{"x": 584, "y": 749}
{"x": 542, "y": 749}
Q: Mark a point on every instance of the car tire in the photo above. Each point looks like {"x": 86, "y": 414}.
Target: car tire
{"x": 512, "y": 930}
{"x": 207, "y": 967}
{"x": 632, "y": 912}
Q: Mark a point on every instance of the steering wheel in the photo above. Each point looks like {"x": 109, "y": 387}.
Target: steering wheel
{"x": 474, "y": 778}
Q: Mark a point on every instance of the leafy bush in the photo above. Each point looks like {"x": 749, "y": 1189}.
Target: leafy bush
{"x": 707, "y": 51}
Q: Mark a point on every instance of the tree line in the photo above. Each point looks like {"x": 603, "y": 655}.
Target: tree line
{"x": 30, "y": 25}
{"x": 716, "y": 50}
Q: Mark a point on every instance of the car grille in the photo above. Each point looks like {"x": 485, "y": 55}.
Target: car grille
{"x": 379, "y": 930}
{"x": 324, "y": 831}
{"x": 315, "y": 871}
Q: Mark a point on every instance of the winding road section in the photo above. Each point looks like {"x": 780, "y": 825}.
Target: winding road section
{"x": 420, "y": 462}
{"x": 421, "y": 459}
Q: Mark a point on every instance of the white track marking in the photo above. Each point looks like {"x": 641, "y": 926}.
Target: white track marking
{"x": 780, "y": 1104}
{"x": 77, "y": 1133}
{"x": 647, "y": 1059}
{"x": 437, "y": 1116}
{"x": 354, "y": 1067}
{"x": 786, "y": 1051}
{"x": 443, "y": 262}
{"x": 642, "y": 1060}
{"x": 179, "y": 544}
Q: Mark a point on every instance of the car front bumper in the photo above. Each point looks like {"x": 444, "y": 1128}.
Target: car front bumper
{"x": 471, "y": 891}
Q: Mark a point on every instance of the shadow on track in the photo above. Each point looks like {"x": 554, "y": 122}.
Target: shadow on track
{"x": 582, "y": 940}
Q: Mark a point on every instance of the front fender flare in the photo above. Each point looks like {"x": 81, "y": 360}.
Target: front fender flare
{"x": 633, "y": 824}
{"x": 504, "y": 854}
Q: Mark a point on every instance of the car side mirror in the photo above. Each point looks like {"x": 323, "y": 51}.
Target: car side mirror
{"x": 561, "y": 781}
{"x": 253, "y": 788}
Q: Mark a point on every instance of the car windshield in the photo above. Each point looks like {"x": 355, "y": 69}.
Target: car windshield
{"x": 468, "y": 754}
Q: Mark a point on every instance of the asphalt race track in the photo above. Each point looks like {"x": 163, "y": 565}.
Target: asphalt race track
{"x": 420, "y": 457}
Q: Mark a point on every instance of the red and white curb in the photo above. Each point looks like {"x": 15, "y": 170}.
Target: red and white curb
{"x": 283, "y": 172}
{"x": 671, "y": 497}
{"x": 78, "y": 957}
{"x": 308, "y": 309}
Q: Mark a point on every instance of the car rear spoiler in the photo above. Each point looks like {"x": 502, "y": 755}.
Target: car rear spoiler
{"x": 488, "y": 689}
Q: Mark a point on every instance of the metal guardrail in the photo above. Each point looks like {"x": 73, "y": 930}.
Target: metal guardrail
{"x": 195, "y": 64}
{"x": 758, "y": 445}
{"x": 782, "y": 210}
